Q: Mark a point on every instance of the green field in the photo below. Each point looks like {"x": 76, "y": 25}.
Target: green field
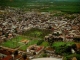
{"x": 47, "y": 5}
{"x": 37, "y": 33}
{"x": 58, "y": 44}
{"x": 27, "y": 45}
{"x": 16, "y": 43}
{"x": 34, "y": 36}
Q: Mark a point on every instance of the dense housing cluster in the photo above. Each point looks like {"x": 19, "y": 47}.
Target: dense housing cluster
{"x": 14, "y": 21}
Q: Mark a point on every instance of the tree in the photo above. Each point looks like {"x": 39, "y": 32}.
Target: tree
{"x": 3, "y": 3}
{"x": 63, "y": 49}
{"x": 50, "y": 41}
{"x": 44, "y": 55}
{"x": 39, "y": 42}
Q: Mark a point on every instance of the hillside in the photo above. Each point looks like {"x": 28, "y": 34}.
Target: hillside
{"x": 49, "y": 5}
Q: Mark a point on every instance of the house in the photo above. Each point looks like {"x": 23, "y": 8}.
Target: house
{"x": 35, "y": 48}
{"x": 24, "y": 41}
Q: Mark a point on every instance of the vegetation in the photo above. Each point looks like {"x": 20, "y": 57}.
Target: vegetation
{"x": 62, "y": 47}
{"x": 40, "y": 42}
{"x": 37, "y": 33}
{"x": 14, "y": 42}
{"x": 43, "y": 55}
{"x": 35, "y": 36}
{"x": 45, "y": 44}
{"x": 68, "y": 57}
{"x": 45, "y": 5}
{"x": 32, "y": 42}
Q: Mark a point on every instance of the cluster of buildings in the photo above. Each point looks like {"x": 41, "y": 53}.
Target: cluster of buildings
{"x": 14, "y": 21}
{"x": 9, "y": 54}
{"x": 34, "y": 49}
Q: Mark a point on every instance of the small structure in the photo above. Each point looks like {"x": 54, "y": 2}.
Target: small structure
{"x": 35, "y": 48}
{"x": 25, "y": 41}
{"x": 49, "y": 50}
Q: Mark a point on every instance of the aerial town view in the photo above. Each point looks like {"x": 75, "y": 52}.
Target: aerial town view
{"x": 39, "y": 30}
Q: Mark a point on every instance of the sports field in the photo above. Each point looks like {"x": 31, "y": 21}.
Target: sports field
{"x": 34, "y": 36}
{"x": 16, "y": 43}
{"x": 37, "y": 33}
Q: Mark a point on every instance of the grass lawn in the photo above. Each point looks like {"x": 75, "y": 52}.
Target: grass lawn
{"x": 46, "y": 6}
{"x": 34, "y": 35}
{"x": 32, "y": 42}
{"x": 45, "y": 44}
{"x": 14, "y": 42}
{"x": 37, "y": 33}
{"x": 57, "y": 44}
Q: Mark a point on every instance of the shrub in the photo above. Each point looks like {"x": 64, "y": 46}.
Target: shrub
{"x": 39, "y": 42}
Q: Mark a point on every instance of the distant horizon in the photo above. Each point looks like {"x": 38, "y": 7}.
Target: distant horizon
{"x": 50, "y": 5}
{"x": 39, "y": 0}
{"x": 51, "y": 0}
